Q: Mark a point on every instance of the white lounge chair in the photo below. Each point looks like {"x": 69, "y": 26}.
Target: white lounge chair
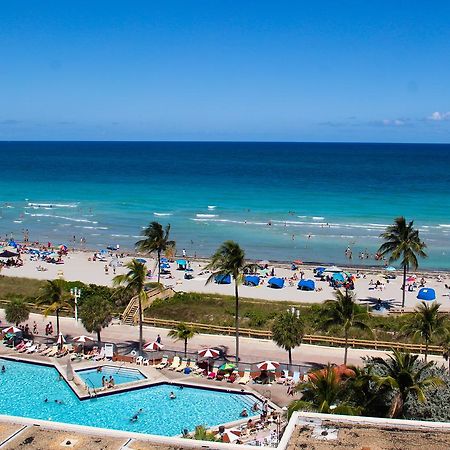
{"x": 245, "y": 378}
{"x": 163, "y": 362}
{"x": 182, "y": 366}
{"x": 175, "y": 363}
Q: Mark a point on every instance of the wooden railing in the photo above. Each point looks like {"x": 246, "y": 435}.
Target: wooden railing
{"x": 308, "y": 338}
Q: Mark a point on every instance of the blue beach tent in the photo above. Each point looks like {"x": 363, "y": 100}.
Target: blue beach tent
{"x": 306, "y": 285}
{"x": 182, "y": 264}
{"x": 222, "y": 279}
{"x": 276, "y": 283}
{"x": 251, "y": 280}
{"x": 165, "y": 266}
{"x": 426, "y": 294}
{"x": 339, "y": 277}
{"x": 164, "y": 260}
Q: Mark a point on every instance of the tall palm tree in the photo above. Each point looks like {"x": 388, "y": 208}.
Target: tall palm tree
{"x": 134, "y": 284}
{"x": 156, "y": 240}
{"x": 445, "y": 344}
{"x": 229, "y": 259}
{"x": 404, "y": 376}
{"x": 345, "y": 313}
{"x": 182, "y": 333}
{"x": 426, "y": 322}
{"x": 55, "y": 297}
{"x": 402, "y": 241}
{"x": 324, "y": 392}
{"x": 288, "y": 331}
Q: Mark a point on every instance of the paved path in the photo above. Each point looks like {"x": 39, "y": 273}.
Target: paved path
{"x": 251, "y": 350}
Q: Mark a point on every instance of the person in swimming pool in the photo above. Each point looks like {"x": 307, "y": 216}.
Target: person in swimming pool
{"x": 172, "y": 396}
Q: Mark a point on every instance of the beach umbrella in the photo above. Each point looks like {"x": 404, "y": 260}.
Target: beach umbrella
{"x": 227, "y": 366}
{"x": 61, "y": 340}
{"x": 426, "y": 294}
{"x": 298, "y": 261}
{"x": 333, "y": 269}
{"x": 276, "y": 283}
{"x": 8, "y": 254}
{"x": 390, "y": 269}
{"x": 208, "y": 353}
{"x": 141, "y": 260}
{"x": 11, "y": 330}
{"x": 411, "y": 279}
{"x": 268, "y": 365}
{"x": 152, "y": 346}
{"x": 339, "y": 277}
{"x": 231, "y": 435}
{"x": 82, "y": 339}
{"x": 63, "y": 247}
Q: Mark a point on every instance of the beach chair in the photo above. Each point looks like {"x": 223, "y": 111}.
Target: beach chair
{"x": 195, "y": 370}
{"x": 163, "y": 362}
{"x": 212, "y": 375}
{"x": 182, "y": 366}
{"x": 175, "y": 363}
{"x": 49, "y": 350}
{"x": 52, "y": 352}
{"x": 26, "y": 347}
{"x": 245, "y": 377}
{"x": 32, "y": 349}
{"x": 100, "y": 356}
{"x": 145, "y": 362}
{"x": 19, "y": 346}
{"x": 42, "y": 349}
{"x": 139, "y": 360}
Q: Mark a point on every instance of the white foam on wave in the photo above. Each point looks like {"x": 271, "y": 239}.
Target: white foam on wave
{"x": 444, "y": 225}
{"x": 52, "y": 205}
{"x": 70, "y": 219}
{"x": 161, "y": 214}
{"x": 240, "y": 222}
{"x": 207, "y": 216}
{"x": 120, "y": 235}
{"x": 18, "y": 221}
{"x": 318, "y": 218}
{"x": 211, "y": 207}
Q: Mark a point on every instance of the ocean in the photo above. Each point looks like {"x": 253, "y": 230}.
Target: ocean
{"x": 279, "y": 201}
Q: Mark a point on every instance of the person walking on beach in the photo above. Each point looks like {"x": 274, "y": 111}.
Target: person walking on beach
{"x": 35, "y": 329}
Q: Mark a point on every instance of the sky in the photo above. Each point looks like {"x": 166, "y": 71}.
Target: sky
{"x": 223, "y": 70}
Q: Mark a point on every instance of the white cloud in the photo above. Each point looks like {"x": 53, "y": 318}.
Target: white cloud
{"x": 393, "y": 122}
{"x": 439, "y": 116}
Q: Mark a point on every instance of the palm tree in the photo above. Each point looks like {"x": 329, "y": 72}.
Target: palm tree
{"x": 403, "y": 241}
{"x": 425, "y": 322}
{"x": 156, "y": 240}
{"x": 345, "y": 313}
{"x": 288, "y": 331}
{"x": 56, "y": 297}
{"x": 229, "y": 259}
{"x": 184, "y": 333}
{"x": 96, "y": 314}
{"x": 324, "y": 392}
{"x": 134, "y": 284}
{"x": 17, "y": 311}
{"x": 445, "y": 344}
{"x": 404, "y": 376}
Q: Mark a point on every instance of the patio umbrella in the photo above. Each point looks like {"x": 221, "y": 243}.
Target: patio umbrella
{"x": 268, "y": 365}
{"x": 152, "y": 346}
{"x": 11, "y": 330}
{"x": 333, "y": 269}
{"x": 411, "y": 279}
{"x": 82, "y": 339}
{"x": 208, "y": 353}
{"x": 426, "y": 294}
{"x": 61, "y": 340}
{"x": 227, "y": 366}
{"x": 231, "y": 435}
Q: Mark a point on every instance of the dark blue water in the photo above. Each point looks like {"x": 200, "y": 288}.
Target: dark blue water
{"x": 318, "y": 198}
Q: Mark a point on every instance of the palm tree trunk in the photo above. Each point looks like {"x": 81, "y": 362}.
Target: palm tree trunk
{"x": 98, "y": 336}
{"x": 57, "y": 321}
{"x": 290, "y": 356}
{"x": 404, "y": 286}
{"x": 346, "y": 347}
{"x": 236, "y": 294}
{"x": 140, "y": 324}
{"x": 396, "y": 407}
{"x": 185, "y": 347}
{"x": 427, "y": 343}
{"x": 159, "y": 265}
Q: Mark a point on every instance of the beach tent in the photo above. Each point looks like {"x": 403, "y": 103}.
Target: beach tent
{"x": 8, "y": 254}
{"x": 276, "y": 283}
{"x": 306, "y": 285}
{"x": 339, "y": 277}
{"x": 165, "y": 265}
{"x": 222, "y": 279}
{"x": 426, "y": 294}
{"x": 182, "y": 264}
{"x": 164, "y": 260}
{"x": 251, "y": 280}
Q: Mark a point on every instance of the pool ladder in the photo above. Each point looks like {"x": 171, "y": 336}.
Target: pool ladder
{"x": 92, "y": 393}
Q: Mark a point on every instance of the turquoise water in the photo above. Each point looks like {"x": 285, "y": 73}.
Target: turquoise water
{"x": 121, "y": 375}
{"x": 24, "y": 387}
{"x": 338, "y": 194}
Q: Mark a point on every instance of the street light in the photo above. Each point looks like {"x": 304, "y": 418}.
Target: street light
{"x": 76, "y": 294}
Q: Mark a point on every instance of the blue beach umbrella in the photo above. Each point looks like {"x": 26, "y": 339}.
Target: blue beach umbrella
{"x": 276, "y": 283}
{"x": 141, "y": 260}
{"x": 251, "y": 280}
{"x": 306, "y": 285}
{"x": 427, "y": 294}
{"x": 339, "y": 277}
{"x": 222, "y": 279}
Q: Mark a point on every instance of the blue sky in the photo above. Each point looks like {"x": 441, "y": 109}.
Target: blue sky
{"x": 225, "y": 70}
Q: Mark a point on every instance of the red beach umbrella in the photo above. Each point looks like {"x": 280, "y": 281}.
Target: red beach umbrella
{"x": 268, "y": 365}
{"x": 152, "y": 346}
{"x": 231, "y": 435}
{"x": 11, "y": 330}
{"x": 208, "y": 353}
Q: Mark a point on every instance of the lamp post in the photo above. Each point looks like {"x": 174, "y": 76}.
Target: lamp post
{"x": 76, "y": 294}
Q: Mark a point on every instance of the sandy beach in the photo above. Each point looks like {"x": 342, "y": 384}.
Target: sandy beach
{"x": 80, "y": 266}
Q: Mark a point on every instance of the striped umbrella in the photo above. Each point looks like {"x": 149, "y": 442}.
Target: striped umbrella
{"x": 11, "y": 330}
{"x": 231, "y": 435}
{"x": 61, "y": 340}
{"x": 268, "y": 365}
{"x": 152, "y": 346}
{"x": 208, "y": 353}
{"x": 82, "y": 339}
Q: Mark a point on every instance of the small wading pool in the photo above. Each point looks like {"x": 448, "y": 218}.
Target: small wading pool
{"x": 93, "y": 377}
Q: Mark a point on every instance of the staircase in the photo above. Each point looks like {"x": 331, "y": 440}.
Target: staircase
{"x": 131, "y": 314}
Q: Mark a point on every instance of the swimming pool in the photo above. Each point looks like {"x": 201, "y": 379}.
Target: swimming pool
{"x": 24, "y": 388}
{"x": 93, "y": 378}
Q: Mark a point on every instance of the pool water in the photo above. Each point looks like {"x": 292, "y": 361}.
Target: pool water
{"x": 24, "y": 388}
{"x": 93, "y": 379}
